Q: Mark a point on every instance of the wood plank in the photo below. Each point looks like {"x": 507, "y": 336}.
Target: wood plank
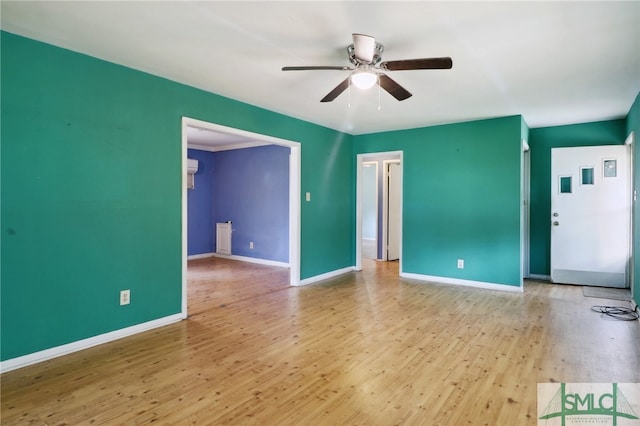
{"x": 365, "y": 348}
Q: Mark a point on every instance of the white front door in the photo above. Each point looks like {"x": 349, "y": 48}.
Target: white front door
{"x": 393, "y": 216}
{"x": 590, "y": 215}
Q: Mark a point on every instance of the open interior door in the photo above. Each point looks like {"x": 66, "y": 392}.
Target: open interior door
{"x": 393, "y": 207}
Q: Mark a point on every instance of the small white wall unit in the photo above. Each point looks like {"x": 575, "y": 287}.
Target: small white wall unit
{"x": 192, "y": 169}
{"x": 223, "y": 238}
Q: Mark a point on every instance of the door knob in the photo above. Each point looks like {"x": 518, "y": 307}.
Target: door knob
{"x": 556, "y": 223}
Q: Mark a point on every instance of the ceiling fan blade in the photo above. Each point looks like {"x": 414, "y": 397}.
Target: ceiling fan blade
{"x": 444, "y": 63}
{"x": 364, "y": 47}
{"x": 317, "y": 68}
{"x": 336, "y": 92}
{"x": 394, "y": 89}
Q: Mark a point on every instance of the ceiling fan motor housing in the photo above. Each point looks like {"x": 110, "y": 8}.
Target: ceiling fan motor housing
{"x": 377, "y": 55}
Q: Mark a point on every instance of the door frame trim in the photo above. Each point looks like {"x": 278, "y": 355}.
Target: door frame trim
{"x": 630, "y": 143}
{"x": 294, "y": 196}
{"x": 525, "y": 237}
{"x": 374, "y": 156}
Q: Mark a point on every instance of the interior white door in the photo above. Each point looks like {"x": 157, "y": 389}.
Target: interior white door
{"x": 393, "y": 215}
{"x": 369, "y": 203}
{"x": 590, "y": 215}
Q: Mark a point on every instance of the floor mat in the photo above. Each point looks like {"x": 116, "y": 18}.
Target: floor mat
{"x": 607, "y": 293}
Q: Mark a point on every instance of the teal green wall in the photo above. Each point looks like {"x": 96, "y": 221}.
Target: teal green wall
{"x": 91, "y": 192}
{"x": 461, "y": 198}
{"x": 541, "y": 141}
{"x": 633, "y": 125}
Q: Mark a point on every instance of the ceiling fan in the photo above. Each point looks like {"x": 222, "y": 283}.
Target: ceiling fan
{"x": 365, "y": 54}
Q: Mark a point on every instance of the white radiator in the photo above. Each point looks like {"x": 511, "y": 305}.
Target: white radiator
{"x": 223, "y": 238}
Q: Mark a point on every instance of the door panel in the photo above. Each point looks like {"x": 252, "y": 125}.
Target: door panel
{"x": 590, "y": 215}
{"x": 393, "y": 217}
{"x": 370, "y": 209}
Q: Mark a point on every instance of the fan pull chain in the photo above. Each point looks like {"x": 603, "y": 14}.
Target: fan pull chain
{"x": 349, "y": 94}
{"x": 379, "y": 107}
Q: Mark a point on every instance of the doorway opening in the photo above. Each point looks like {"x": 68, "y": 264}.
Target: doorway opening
{"x": 387, "y": 202}
{"x": 234, "y": 138}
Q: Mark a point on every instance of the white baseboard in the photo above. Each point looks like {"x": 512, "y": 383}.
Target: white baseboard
{"x": 326, "y": 276}
{"x": 540, "y": 277}
{"x": 252, "y": 260}
{"x": 200, "y": 256}
{"x": 47, "y": 354}
{"x": 466, "y": 283}
{"x": 240, "y": 258}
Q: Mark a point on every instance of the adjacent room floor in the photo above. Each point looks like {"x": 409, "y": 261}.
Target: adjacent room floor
{"x": 367, "y": 348}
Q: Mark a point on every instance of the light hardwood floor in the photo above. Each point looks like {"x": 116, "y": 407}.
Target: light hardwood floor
{"x": 367, "y": 348}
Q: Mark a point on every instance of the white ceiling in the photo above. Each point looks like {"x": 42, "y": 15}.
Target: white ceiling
{"x": 208, "y": 139}
{"x": 553, "y": 62}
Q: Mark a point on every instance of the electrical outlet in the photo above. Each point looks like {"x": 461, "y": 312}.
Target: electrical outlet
{"x": 125, "y": 297}
{"x": 460, "y": 263}
{"x": 251, "y": 245}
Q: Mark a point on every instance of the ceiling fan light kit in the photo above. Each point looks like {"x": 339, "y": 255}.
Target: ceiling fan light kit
{"x": 365, "y": 54}
{"x": 364, "y": 78}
